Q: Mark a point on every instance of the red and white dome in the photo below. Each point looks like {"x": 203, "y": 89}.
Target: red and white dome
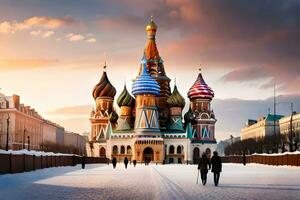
{"x": 200, "y": 90}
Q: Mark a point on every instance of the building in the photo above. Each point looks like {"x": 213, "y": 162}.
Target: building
{"x": 285, "y": 124}
{"x": 26, "y": 127}
{"x": 150, "y": 124}
{"x": 262, "y": 127}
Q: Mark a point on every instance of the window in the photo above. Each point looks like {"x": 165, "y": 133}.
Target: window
{"x": 171, "y": 149}
{"x": 122, "y": 150}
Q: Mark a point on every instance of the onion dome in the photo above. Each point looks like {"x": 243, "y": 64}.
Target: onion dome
{"x": 151, "y": 26}
{"x": 104, "y": 88}
{"x": 200, "y": 89}
{"x": 144, "y": 83}
{"x": 125, "y": 99}
{"x": 189, "y": 117}
{"x": 176, "y": 100}
{"x": 113, "y": 117}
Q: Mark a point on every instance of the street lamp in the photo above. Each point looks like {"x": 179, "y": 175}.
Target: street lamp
{"x": 7, "y": 130}
{"x": 24, "y": 132}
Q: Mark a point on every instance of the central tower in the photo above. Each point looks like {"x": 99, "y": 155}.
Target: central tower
{"x": 155, "y": 67}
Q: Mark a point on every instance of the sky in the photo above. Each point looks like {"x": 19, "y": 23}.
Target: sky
{"x": 52, "y": 52}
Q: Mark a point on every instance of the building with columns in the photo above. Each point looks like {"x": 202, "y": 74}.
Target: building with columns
{"x": 150, "y": 125}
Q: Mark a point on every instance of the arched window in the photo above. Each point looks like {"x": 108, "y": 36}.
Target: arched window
{"x": 115, "y": 149}
{"x": 171, "y": 149}
{"x": 129, "y": 150}
{"x": 102, "y": 152}
{"x": 122, "y": 150}
{"x": 179, "y": 150}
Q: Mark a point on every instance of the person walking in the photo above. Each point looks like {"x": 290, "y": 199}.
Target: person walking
{"x": 204, "y": 166}
{"x": 114, "y": 162}
{"x": 244, "y": 159}
{"x": 83, "y": 162}
{"x": 125, "y": 162}
{"x": 216, "y": 167}
{"x": 134, "y": 163}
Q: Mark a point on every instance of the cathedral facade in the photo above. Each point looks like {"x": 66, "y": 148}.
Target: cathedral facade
{"x": 150, "y": 125}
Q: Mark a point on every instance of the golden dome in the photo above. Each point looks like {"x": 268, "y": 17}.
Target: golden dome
{"x": 151, "y": 25}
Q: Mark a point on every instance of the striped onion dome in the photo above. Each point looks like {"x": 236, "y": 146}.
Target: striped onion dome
{"x": 200, "y": 90}
{"x": 125, "y": 99}
{"x": 104, "y": 88}
{"x": 144, "y": 83}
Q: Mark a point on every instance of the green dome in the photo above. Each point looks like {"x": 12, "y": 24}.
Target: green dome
{"x": 125, "y": 99}
{"x": 176, "y": 100}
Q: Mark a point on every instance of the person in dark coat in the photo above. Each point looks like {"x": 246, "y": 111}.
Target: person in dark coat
{"x": 125, "y": 162}
{"x": 83, "y": 162}
{"x": 204, "y": 166}
{"x": 244, "y": 158}
{"x": 134, "y": 163}
{"x": 216, "y": 168}
{"x": 114, "y": 162}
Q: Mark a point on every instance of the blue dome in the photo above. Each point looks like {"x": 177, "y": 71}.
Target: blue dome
{"x": 144, "y": 83}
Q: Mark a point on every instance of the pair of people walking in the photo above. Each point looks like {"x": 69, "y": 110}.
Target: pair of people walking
{"x": 114, "y": 162}
{"x": 214, "y": 164}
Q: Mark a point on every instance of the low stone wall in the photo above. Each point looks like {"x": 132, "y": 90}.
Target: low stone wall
{"x": 277, "y": 160}
{"x": 17, "y": 163}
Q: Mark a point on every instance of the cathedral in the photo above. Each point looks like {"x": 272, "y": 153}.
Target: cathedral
{"x": 150, "y": 125}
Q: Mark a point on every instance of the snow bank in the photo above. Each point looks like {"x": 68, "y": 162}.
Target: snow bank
{"x": 33, "y": 152}
{"x": 277, "y": 154}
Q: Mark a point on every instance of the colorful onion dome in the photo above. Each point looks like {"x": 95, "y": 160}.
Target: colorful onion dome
{"x": 144, "y": 83}
{"x": 189, "y": 117}
{"x": 176, "y": 100}
{"x": 200, "y": 89}
{"x": 113, "y": 117}
{"x": 125, "y": 99}
{"x": 151, "y": 26}
{"x": 104, "y": 88}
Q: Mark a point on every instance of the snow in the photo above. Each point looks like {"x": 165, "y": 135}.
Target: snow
{"x": 278, "y": 154}
{"x": 33, "y": 152}
{"x": 100, "y": 181}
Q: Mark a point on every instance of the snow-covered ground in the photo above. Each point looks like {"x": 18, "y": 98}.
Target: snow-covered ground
{"x": 99, "y": 181}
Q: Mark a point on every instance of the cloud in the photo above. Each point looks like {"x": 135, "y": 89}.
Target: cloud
{"x": 19, "y": 64}
{"x": 47, "y": 34}
{"x": 247, "y": 74}
{"x": 73, "y": 110}
{"x": 43, "y": 22}
{"x": 74, "y": 37}
{"x": 43, "y": 34}
{"x": 91, "y": 40}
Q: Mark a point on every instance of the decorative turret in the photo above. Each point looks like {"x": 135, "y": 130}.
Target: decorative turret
{"x": 200, "y": 114}
{"x": 104, "y": 112}
{"x": 155, "y": 68}
{"x": 145, "y": 88}
{"x": 176, "y": 103}
{"x": 126, "y": 103}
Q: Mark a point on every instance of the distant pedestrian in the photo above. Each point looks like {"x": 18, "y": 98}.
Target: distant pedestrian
{"x": 125, "y": 162}
{"x": 216, "y": 167}
{"x": 114, "y": 162}
{"x": 134, "y": 163}
{"x": 244, "y": 158}
{"x": 204, "y": 166}
{"x": 83, "y": 162}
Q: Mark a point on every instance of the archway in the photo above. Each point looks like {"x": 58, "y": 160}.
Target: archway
{"x": 115, "y": 150}
{"x": 171, "y": 149}
{"x": 122, "y": 150}
{"x": 148, "y": 154}
{"x": 208, "y": 152}
{"x": 196, "y": 155}
{"x": 102, "y": 152}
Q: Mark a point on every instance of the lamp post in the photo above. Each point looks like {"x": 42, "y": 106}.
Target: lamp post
{"x": 7, "y": 131}
{"x": 28, "y": 141}
{"x": 24, "y": 133}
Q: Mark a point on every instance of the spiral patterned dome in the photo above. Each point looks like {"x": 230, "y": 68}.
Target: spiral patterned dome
{"x": 200, "y": 89}
{"x": 176, "y": 100}
{"x": 144, "y": 83}
{"x": 125, "y": 99}
{"x": 104, "y": 88}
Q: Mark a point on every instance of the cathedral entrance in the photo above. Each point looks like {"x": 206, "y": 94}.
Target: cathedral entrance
{"x": 148, "y": 154}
